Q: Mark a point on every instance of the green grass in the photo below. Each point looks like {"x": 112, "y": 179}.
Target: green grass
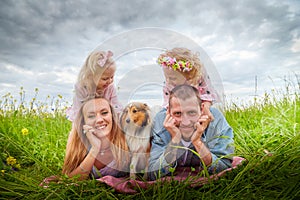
{"x": 267, "y": 134}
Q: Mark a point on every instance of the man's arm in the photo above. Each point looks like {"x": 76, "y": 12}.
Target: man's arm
{"x": 219, "y": 140}
{"x": 162, "y": 156}
{"x": 203, "y": 151}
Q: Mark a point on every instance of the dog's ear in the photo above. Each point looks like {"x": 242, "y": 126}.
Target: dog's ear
{"x": 145, "y": 106}
{"x": 147, "y": 119}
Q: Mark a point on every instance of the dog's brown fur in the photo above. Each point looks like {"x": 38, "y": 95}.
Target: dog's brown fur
{"x": 136, "y": 123}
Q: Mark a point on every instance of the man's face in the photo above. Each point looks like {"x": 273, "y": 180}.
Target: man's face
{"x": 186, "y": 113}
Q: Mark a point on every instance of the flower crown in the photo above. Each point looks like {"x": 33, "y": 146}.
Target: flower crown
{"x": 172, "y": 63}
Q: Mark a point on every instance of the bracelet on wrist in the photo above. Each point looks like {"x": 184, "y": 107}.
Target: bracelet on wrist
{"x": 83, "y": 170}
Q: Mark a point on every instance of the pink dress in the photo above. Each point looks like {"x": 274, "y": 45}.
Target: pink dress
{"x": 81, "y": 94}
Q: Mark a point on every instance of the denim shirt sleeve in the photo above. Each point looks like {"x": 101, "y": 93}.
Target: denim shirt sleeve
{"x": 219, "y": 139}
{"x": 158, "y": 166}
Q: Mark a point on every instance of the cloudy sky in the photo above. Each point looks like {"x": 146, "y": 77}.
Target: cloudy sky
{"x": 43, "y": 44}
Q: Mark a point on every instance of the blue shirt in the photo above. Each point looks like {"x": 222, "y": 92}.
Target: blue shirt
{"x": 218, "y": 138}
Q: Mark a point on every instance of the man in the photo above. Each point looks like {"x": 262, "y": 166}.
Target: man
{"x": 182, "y": 137}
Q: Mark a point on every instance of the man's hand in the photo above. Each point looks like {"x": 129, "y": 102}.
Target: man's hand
{"x": 170, "y": 125}
{"x": 200, "y": 127}
{"x": 205, "y": 110}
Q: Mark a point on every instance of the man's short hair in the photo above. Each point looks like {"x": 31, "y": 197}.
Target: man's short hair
{"x": 184, "y": 92}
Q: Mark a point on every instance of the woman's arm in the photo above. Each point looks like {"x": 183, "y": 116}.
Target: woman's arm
{"x": 85, "y": 166}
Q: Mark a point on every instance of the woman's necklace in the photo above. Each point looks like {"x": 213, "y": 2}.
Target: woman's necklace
{"x": 102, "y": 151}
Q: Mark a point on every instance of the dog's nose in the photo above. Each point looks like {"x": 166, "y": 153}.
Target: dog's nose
{"x": 127, "y": 120}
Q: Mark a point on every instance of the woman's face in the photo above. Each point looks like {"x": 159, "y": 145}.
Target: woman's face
{"x": 106, "y": 78}
{"x": 97, "y": 113}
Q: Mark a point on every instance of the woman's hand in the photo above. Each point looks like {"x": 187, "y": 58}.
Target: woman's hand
{"x": 95, "y": 142}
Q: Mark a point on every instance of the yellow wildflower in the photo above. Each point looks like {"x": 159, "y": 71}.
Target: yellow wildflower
{"x": 18, "y": 166}
{"x": 2, "y": 171}
{"x": 11, "y": 160}
{"x": 24, "y": 131}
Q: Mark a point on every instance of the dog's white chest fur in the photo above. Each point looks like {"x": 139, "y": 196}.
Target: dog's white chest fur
{"x": 138, "y": 138}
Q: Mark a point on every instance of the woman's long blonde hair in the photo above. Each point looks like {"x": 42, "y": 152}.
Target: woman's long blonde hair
{"x": 185, "y": 54}
{"x": 78, "y": 144}
{"x": 91, "y": 70}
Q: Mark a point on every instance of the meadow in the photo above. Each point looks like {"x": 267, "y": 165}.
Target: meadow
{"x": 33, "y": 137}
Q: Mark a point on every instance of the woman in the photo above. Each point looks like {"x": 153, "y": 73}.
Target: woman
{"x": 97, "y": 145}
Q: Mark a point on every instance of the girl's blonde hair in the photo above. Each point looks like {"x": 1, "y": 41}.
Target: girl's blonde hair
{"x": 93, "y": 70}
{"x": 78, "y": 144}
{"x": 184, "y": 54}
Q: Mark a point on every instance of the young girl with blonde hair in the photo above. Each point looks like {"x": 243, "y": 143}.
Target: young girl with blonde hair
{"x": 97, "y": 145}
{"x": 95, "y": 79}
{"x": 182, "y": 66}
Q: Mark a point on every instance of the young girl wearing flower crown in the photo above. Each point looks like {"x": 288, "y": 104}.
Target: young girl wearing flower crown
{"x": 181, "y": 66}
{"x": 95, "y": 79}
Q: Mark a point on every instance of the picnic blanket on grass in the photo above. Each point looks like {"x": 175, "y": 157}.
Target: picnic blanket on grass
{"x": 126, "y": 185}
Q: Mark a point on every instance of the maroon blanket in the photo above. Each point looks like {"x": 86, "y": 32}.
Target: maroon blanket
{"x": 125, "y": 185}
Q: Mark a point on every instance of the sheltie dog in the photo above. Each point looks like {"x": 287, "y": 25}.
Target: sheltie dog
{"x": 136, "y": 123}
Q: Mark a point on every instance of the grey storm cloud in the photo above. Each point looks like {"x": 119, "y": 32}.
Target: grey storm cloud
{"x": 48, "y": 41}
{"x": 46, "y": 31}
{"x": 43, "y": 27}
